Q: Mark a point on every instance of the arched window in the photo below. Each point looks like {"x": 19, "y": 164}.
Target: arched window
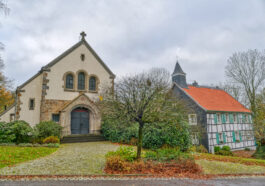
{"x": 81, "y": 81}
{"x": 69, "y": 84}
{"x": 92, "y": 83}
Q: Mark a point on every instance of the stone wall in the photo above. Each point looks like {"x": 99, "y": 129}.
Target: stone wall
{"x": 50, "y": 107}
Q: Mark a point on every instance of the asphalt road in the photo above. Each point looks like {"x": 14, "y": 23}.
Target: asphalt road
{"x": 253, "y": 181}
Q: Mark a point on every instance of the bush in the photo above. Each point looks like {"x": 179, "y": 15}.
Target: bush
{"x": 125, "y": 153}
{"x": 166, "y": 154}
{"x": 260, "y": 152}
{"x": 51, "y": 139}
{"x": 115, "y": 163}
{"x": 6, "y": 133}
{"x": 22, "y": 130}
{"x": 217, "y": 149}
{"x": 225, "y": 151}
{"x": 247, "y": 149}
{"x": 155, "y": 135}
{"x": 200, "y": 149}
{"x": 48, "y": 128}
{"x": 226, "y": 148}
{"x": 15, "y": 132}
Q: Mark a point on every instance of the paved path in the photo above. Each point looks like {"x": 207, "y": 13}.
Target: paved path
{"x": 120, "y": 182}
{"x": 74, "y": 158}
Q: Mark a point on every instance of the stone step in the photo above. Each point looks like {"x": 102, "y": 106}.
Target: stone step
{"x": 82, "y": 138}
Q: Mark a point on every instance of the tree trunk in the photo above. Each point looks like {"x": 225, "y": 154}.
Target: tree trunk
{"x": 140, "y": 140}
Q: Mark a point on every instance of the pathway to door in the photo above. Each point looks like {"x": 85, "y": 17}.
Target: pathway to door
{"x": 69, "y": 159}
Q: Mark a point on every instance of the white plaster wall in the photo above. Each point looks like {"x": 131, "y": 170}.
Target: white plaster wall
{"x": 32, "y": 90}
{"x": 6, "y": 117}
{"x": 73, "y": 63}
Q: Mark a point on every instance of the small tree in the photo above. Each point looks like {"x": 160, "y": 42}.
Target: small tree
{"x": 247, "y": 69}
{"x": 143, "y": 98}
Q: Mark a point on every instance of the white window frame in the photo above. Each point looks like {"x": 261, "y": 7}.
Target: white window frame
{"x": 237, "y": 135}
{"x": 194, "y": 139}
{"x": 227, "y": 118}
{"x": 219, "y": 118}
{"x": 235, "y": 118}
{"x": 221, "y": 137}
{"x": 192, "y": 119}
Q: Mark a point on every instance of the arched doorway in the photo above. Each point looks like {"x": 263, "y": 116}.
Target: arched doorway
{"x": 80, "y": 121}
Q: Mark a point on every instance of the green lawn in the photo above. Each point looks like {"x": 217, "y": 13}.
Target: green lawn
{"x": 10, "y": 155}
{"x": 218, "y": 167}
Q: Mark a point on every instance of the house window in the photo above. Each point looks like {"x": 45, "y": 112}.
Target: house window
{"x": 192, "y": 119}
{"x": 31, "y": 104}
{"x": 235, "y": 118}
{"x": 92, "y": 83}
{"x": 81, "y": 81}
{"x": 218, "y": 118}
{"x": 237, "y": 136}
{"x": 69, "y": 81}
{"x": 56, "y": 117}
{"x": 12, "y": 117}
{"x": 227, "y": 118}
{"x": 219, "y": 138}
{"x": 246, "y": 118}
{"x": 240, "y": 118}
{"x": 194, "y": 139}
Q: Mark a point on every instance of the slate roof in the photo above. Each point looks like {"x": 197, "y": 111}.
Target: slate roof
{"x": 178, "y": 69}
{"x": 214, "y": 99}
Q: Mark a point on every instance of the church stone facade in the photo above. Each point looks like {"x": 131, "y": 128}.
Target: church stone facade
{"x": 65, "y": 91}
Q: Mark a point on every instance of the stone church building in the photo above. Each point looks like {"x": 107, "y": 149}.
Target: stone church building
{"x": 65, "y": 91}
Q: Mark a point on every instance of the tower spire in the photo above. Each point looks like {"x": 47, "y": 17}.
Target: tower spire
{"x": 179, "y": 77}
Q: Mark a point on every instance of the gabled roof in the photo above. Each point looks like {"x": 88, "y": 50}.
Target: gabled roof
{"x": 214, "y": 99}
{"x": 178, "y": 69}
{"x": 53, "y": 62}
{"x": 9, "y": 108}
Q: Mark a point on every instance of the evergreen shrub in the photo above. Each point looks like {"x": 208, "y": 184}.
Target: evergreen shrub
{"x": 155, "y": 135}
{"x": 47, "y": 128}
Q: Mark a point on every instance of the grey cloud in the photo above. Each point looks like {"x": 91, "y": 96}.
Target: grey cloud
{"x": 132, "y": 36}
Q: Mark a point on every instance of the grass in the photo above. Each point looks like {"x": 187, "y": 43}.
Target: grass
{"x": 217, "y": 167}
{"x": 69, "y": 159}
{"x": 231, "y": 159}
{"x": 11, "y": 155}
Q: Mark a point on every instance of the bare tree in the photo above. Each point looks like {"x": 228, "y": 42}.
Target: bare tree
{"x": 142, "y": 98}
{"x": 247, "y": 69}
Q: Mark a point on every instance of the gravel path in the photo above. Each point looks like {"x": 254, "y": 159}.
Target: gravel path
{"x": 70, "y": 159}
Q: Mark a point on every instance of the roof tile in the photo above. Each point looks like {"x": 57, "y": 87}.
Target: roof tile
{"x": 215, "y": 99}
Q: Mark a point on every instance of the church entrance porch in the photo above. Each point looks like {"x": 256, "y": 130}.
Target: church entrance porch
{"x": 80, "y": 116}
{"x": 80, "y": 121}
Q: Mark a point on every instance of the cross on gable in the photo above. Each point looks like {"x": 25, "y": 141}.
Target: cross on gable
{"x": 83, "y": 35}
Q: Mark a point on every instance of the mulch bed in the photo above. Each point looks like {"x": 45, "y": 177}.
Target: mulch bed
{"x": 243, "y": 153}
{"x": 181, "y": 169}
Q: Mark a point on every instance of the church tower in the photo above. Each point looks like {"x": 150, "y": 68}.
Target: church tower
{"x": 179, "y": 77}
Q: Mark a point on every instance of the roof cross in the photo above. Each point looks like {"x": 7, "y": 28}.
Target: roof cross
{"x": 83, "y": 35}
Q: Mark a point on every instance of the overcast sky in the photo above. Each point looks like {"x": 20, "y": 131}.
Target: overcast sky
{"x": 133, "y": 35}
